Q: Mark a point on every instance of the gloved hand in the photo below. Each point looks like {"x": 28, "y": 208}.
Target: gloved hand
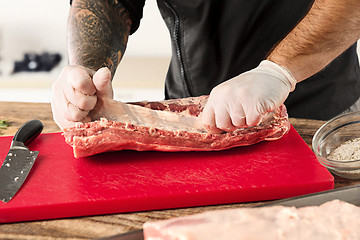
{"x": 74, "y": 94}
{"x": 242, "y": 100}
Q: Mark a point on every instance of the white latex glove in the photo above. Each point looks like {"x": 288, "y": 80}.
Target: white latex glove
{"x": 74, "y": 94}
{"x": 242, "y": 100}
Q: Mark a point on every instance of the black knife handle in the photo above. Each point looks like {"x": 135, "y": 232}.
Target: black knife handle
{"x": 28, "y": 131}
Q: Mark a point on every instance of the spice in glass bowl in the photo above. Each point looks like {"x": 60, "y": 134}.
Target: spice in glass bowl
{"x": 349, "y": 150}
{"x": 336, "y": 145}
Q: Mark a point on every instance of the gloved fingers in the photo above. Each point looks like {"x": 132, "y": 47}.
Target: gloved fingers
{"x": 253, "y": 119}
{"x": 75, "y": 114}
{"x": 80, "y": 78}
{"x": 58, "y": 107}
{"x": 237, "y": 113}
{"x": 71, "y": 100}
{"x": 64, "y": 122}
{"x": 208, "y": 119}
{"x": 102, "y": 83}
{"x": 79, "y": 100}
{"x": 61, "y": 114}
{"x": 242, "y": 114}
{"x": 251, "y": 95}
{"x": 223, "y": 119}
{"x": 79, "y": 91}
{"x": 253, "y": 116}
{"x": 238, "y": 120}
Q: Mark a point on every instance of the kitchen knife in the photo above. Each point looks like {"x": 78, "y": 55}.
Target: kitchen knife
{"x": 350, "y": 194}
{"x": 19, "y": 160}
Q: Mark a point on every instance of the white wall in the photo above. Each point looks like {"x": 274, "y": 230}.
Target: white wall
{"x": 40, "y": 25}
{"x": 152, "y": 37}
{"x": 32, "y": 26}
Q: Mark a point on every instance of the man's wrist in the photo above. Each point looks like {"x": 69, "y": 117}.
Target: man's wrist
{"x": 287, "y": 76}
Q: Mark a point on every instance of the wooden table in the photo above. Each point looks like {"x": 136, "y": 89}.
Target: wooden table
{"x": 107, "y": 225}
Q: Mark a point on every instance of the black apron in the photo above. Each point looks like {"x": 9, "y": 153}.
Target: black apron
{"x": 216, "y": 40}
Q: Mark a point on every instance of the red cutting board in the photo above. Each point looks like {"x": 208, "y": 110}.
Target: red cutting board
{"x": 61, "y": 186}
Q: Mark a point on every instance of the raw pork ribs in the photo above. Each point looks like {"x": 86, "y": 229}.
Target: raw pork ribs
{"x": 170, "y": 125}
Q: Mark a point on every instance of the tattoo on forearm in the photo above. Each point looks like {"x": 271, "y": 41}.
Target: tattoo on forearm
{"x": 98, "y": 31}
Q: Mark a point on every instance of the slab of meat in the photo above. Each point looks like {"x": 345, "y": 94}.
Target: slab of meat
{"x": 170, "y": 125}
{"x": 334, "y": 220}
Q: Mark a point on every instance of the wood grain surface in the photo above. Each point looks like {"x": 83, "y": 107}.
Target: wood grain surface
{"x": 102, "y": 226}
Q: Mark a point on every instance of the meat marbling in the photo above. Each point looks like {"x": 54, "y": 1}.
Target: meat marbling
{"x": 170, "y": 125}
{"x": 334, "y": 220}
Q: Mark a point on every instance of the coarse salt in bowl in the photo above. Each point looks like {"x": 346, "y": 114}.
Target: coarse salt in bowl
{"x": 336, "y": 145}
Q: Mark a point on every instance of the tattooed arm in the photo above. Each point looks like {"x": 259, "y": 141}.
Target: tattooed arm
{"x": 330, "y": 27}
{"x": 97, "y": 36}
{"x": 97, "y": 33}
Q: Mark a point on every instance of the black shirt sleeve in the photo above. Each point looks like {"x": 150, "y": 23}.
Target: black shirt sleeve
{"x": 135, "y": 8}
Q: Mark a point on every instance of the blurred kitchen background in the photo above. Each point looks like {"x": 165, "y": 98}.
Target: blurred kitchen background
{"x": 33, "y": 52}
{"x": 32, "y": 38}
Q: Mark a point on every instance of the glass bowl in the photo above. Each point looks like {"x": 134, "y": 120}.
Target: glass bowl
{"x": 336, "y": 145}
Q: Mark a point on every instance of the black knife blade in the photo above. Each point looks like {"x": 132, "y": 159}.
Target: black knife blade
{"x": 350, "y": 194}
{"x": 19, "y": 160}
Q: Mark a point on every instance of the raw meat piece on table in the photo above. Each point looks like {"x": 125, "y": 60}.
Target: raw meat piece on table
{"x": 331, "y": 220}
{"x": 170, "y": 125}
